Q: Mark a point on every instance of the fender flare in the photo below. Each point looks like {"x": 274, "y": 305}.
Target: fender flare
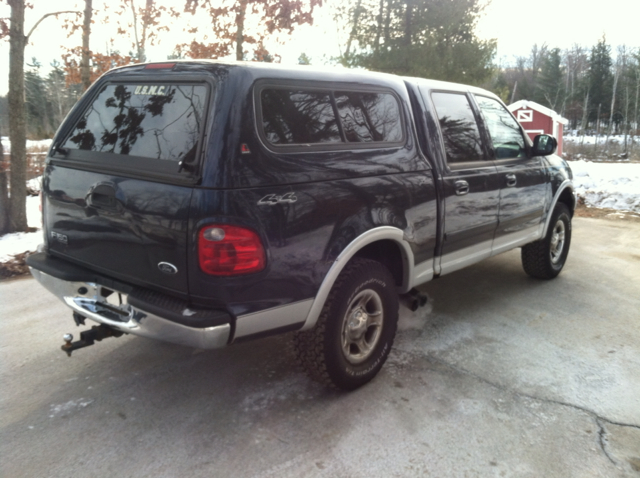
{"x": 566, "y": 184}
{"x": 372, "y": 235}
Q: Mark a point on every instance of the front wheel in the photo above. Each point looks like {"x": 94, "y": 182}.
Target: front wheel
{"x": 544, "y": 259}
{"x": 355, "y": 330}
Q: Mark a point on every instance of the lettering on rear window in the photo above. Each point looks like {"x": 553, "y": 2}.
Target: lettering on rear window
{"x": 150, "y": 90}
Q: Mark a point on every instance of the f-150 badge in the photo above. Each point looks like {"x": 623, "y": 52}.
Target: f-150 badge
{"x": 273, "y": 199}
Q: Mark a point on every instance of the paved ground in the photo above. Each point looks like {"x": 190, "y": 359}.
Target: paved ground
{"x": 500, "y": 375}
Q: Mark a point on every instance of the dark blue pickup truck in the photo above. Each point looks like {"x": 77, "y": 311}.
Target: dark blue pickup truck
{"x": 205, "y": 203}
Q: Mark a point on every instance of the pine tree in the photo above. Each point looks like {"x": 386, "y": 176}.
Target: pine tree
{"x": 428, "y": 38}
{"x": 550, "y": 90}
{"x": 600, "y": 80}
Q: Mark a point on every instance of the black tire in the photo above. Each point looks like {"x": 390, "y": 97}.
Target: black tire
{"x": 346, "y": 354}
{"x": 544, "y": 259}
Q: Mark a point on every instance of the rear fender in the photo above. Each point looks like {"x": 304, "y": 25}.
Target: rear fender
{"x": 373, "y": 235}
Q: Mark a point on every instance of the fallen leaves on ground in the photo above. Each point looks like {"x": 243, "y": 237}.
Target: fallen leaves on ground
{"x": 16, "y": 266}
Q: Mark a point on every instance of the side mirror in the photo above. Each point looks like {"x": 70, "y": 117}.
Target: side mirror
{"x": 544, "y": 145}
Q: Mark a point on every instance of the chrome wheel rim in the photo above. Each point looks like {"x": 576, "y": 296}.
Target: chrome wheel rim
{"x": 362, "y": 326}
{"x": 557, "y": 241}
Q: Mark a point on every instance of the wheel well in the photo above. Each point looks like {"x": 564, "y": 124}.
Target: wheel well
{"x": 568, "y": 198}
{"x": 388, "y": 254}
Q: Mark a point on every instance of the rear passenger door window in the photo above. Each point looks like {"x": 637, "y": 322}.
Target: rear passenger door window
{"x": 459, "y": 128}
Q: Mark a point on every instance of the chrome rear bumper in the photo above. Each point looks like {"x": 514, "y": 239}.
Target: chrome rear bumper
{"x": 88, "y": 299}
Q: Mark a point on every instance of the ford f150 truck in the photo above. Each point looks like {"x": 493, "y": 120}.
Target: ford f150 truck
{"x": 205, "y": 203}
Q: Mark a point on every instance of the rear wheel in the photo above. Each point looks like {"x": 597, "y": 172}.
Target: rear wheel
{"x": 355, "y": 331}
{"x": 544, "y": 259}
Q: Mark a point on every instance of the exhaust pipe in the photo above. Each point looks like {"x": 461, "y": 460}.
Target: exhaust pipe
{"x": 414, "y": 299}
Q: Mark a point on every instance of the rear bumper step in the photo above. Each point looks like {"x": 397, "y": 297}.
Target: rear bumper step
{"x": 129, "y": 309}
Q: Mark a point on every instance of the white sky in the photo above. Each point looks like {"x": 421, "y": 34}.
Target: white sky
{"x": 517, "y": 25}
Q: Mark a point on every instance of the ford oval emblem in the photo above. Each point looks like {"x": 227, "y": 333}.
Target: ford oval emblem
{"x": 167, "y": 268}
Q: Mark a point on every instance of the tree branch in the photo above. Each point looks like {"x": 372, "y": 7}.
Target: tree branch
{"x": 48, "y": 15}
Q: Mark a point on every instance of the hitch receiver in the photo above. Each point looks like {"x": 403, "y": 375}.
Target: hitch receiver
{"x": 88, "y": 337}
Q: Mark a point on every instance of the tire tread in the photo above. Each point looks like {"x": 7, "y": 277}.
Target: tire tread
{"x": 536, "y": 261}
{"x": 309, "y": 345}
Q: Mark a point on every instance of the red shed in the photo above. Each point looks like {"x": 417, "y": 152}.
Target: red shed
{"x": 537, "y": 119}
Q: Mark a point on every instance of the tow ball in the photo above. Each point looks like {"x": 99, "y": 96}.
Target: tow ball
{"x": 89, "y": 337}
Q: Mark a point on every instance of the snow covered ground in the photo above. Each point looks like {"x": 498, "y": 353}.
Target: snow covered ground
{"x": 608, "y": 185}
{"x": 617, "y": 139}
{"x": 605, "y": 185}
{"x": 32, "y": 146}
{"x": 11, "y": 244}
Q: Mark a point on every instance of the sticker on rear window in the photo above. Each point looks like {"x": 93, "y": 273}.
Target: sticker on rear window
{"x": 150, "y": 90}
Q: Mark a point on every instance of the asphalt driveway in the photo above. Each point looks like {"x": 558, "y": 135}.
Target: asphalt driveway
{"x": 499, "y": 375}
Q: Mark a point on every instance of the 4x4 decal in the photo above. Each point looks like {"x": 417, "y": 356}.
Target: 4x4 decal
{"x": 273, "y": 199}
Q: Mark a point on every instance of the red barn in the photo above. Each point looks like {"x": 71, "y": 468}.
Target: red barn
{"x": 537, "y": 119}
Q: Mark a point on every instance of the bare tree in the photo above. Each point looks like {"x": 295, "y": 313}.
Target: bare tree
{"x": 17, "y": 127}
{"x": 17, "y": 211}
{"x": 85, "y": 64}
{"x": 4, "y": 198}
{"x": 616, "y": 76}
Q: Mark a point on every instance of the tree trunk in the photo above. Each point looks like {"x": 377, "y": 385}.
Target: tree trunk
{"x": 585, "y": 113}
{"x": 387, "y": 26}
{"x": 146, "y": 23}
{"x": 240, "y": 32}
{"x": 85, "y": 68}
{"x": 408, "y": 23}
{"x": 354, "y": 28}
{"x": 17, "y": 131}
{"x": 408, "y": 33}
{"x": 613, "y": 104}
{"x": 376, "y": 43}
{"x": 626, "y": 118}
{"x": 636, "y": 118}
{"x": 135, "y": 32}
{"x": 4, "y": 196}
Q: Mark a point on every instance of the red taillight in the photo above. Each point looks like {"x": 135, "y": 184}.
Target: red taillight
{"x": 229, "y": 250}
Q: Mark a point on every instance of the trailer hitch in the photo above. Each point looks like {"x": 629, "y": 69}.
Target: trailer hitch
{"x": 88, "y": 337}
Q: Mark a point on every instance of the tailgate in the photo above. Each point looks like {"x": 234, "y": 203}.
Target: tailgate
{"x": 130, "y": 229}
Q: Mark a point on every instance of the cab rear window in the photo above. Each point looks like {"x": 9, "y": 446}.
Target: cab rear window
{"x": 158, "y": 121}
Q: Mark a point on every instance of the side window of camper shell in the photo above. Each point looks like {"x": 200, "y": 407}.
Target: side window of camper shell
{"x": 327, "y": 118}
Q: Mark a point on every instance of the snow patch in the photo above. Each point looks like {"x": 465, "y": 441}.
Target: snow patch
{"x": 608, "y": 185}
{"x": 31, "y": 145}
{"x": 65, "y": 409}
{"x": 19, "y": 242}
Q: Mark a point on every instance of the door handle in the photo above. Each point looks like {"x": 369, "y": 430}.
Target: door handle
{"x": 511, "y": 180}
{"x": 462, "y": 187}
{"x": 103, "y": 196}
